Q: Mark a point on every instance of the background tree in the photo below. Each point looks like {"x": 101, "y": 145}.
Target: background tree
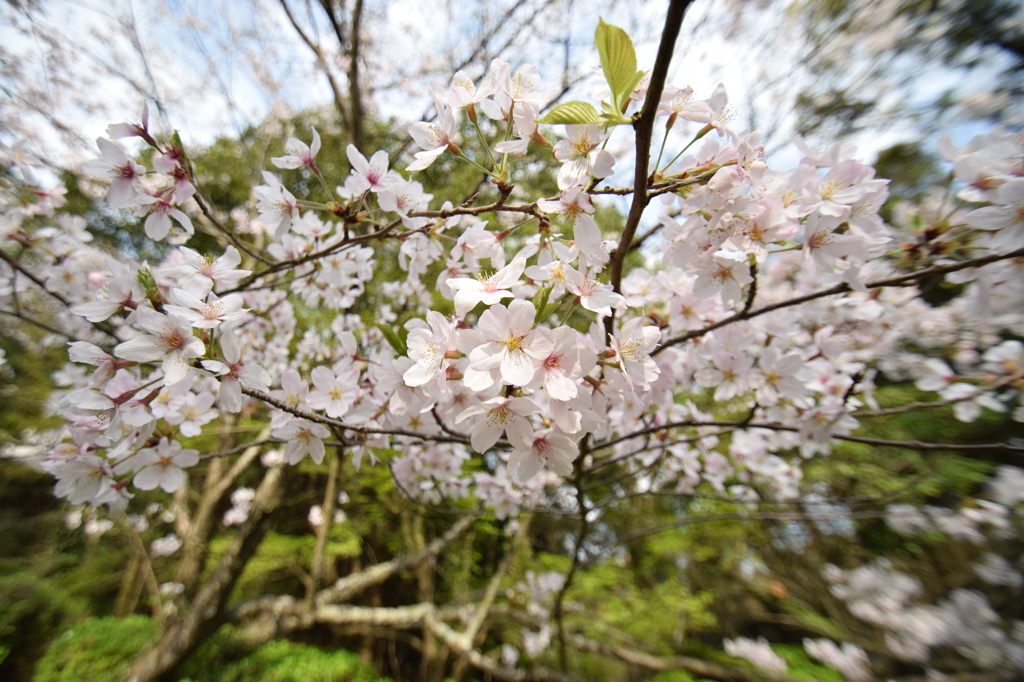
{"x": 679, "y": 491}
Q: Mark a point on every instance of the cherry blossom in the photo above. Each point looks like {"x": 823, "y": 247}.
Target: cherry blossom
{"x": 433, "y": 138}
{"x": 125, "y": 190}
{"x": 161, "y": 467}
{"x": 234, "y": 373}
{"x": 303, "y": 437}
{"x": 513, "y": 345}
{"x": 552, "y": 449}
{"x": 486, "y": 290}
{"x": 633, "y": 344}
{"x": 501, "y": 415}
{"x": 370, "y": 175}
{"x": 169, "y": 340}
{"x": 581, "y": 157}
{"x": 301, "y": 153}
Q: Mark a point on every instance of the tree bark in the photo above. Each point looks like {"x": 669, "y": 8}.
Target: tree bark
{"x": 204, "y": 615}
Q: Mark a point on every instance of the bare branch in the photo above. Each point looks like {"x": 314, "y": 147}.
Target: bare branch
{"x": 843, "y": 288}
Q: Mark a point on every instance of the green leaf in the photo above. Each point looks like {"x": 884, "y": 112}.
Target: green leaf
{"x": 574, "y": 112}
{"x": 541, "y": 302}
{"x": 393, "y": 339}
{"x": 618, "y": 61}
{"x": 614, "y": 117}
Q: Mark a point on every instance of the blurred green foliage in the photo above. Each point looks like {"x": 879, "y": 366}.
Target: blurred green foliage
{"x": 102, "y": 649}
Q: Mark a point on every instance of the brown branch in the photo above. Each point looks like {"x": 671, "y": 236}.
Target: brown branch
{"x": 37, "y": 323}
{"x": 498, "y": 206}
{"x": 204, "y": 614}
{"x": 355, "y": 94}
{"x": 644, "y": 127}
{"x": 322, "y": 253}
{"x": 339, "y": 100}
{"x": 694, "y": 665}
{"x": 323, "y": 533}
{"x": 843, "y": 288}
{"x": 905, "y": 444}
{"x": 281, "y": 405}
{"x": 102, "y": 327}
{"x": 351, "y": 585}
{"x": 1005, "y": 381}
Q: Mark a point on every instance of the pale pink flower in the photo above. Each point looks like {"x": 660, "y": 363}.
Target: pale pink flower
{"x": 207, "y": 314}
{"x": 633, "y": 345}
{"x": 276, "y": 205}
{"x": 433, "y": 138}
{"x": 553, "y": 449}
{"x": 1005, "y": 219}
{"x": 403, "y": 196}
{"x": 594, "y": 296}
{"x": 302, "y": 437}
{"x": 524, "y": 123}
{"x": 828, "y": 249}
{"x": 561, "y": 368}
{"x": 234, "y": 373}
{"x": 199, "y": 273}
{"x": 169, "y": 340}
{"x": 486, "y": 290}
{"x": 723, "y": 272}
{"x": 123, "y": 291}
{"x": 513, "y": 345}
{"x": 581, "y": 155}
{"x": 300, "y": 154}
{"x": 730, "y": 376}
{"x": 781, "y": 376}
{"x": 334, "y": 393}
{"x": 679, "y": 102}
{"x": 91, "y": 354}
{"x": 84, "y": 478}
{"x": 125, "y": 173}
{"x": 464, "y": 93}
{"x": 369, "y": 175}
{"x": 193, "y": 414}
{"x": 161, "y": 467}
{"x": 428, "y": 347}
{"x": 501, "y": 415}
{"x": 160, "y": 210}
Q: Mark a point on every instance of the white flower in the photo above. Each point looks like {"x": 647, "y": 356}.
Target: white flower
{"x": 301, "y": 153}
{"x": 277, "y": 206}
{"x": 506, "y": 415}
{"x": 427, "y": 347}
{"x": 125, "y": 173}
{"x": 165, "y": 546}
{"x": 234, "y": 373}
{"x": 372, "y": 175}
{"x": 162, "y": 467}
{"x": 302, "y": 436}
{"x": 553, "y": 449}
{"x": 206, "y": 314}
{"x": 434, "y": 138}
{"x": 633, "y": 345}
{"x": 161, "y": 210}
{"x": 334, "y": 393}
{"x": 199, "y": 273}
{"x": 123, "y": 291}
{"x": 169, "y": 340}
{"x": 594, "y": 295}
{"x": 581, "y": 155}
{"x": 513, "y": 344}
{"x": 488, "y": 290}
